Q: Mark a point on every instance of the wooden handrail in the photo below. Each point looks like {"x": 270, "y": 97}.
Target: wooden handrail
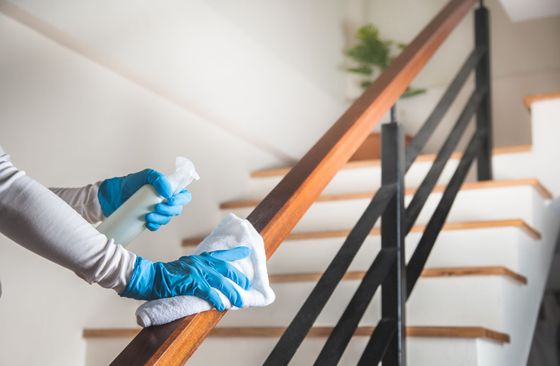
{"x": 280, "y": 211}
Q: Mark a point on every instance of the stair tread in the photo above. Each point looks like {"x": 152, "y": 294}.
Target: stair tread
{"x": 428, "y": 272}
{"x": 530, "y": 99}
{"x": 465, "y": 225}
{"x": 276, "y": 172}
{"x": 321, "y": 331}
{"x": 541, "y": 189}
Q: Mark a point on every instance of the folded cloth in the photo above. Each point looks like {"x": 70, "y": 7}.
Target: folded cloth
{"x": 230, "y": 233}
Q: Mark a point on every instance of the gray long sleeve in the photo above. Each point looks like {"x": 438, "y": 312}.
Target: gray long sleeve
{"x": 84, "y": 200}
{"x": 36, "y": 218}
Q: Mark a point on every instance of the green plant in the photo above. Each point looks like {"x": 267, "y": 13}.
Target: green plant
{"x": 371, "y": 55}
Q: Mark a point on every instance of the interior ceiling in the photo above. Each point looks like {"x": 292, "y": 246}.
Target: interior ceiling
{"x": 190, "y": 55}
{"x": 521, "y": 10}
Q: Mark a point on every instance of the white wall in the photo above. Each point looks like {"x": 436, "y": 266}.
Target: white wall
{"x": 67, "y": 121}
{"x": 521, "y": 10}
{"x": 201, "y": 60}
{"x": 307, "y": 35}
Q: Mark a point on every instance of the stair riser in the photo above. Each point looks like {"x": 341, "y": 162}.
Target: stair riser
{"x": 356, "y": 180}
{"x": 462, "y": 301}
{"x": 501, "y": 247}
{"x": 253, "y": 351}
{"x": 369, "y": 178}
{"x": 470, "y": 205}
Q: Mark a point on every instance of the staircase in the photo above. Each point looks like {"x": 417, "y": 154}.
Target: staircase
{"x": 476, "y": 303}
{"x": 477, "y": 296}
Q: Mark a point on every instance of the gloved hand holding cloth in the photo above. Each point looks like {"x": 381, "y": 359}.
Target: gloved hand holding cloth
{"x": 235, "y": 241}
{"x": 196, "y": 275}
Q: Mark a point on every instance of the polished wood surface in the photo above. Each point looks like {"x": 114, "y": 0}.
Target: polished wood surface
{"x": 276, "y": 172}
{"x": 535, "y": 183}
{"x": 280, "y": 211}
{"x": 363, "y": 331}
{"x": 450, "y": 226}
{"x": 428, "y": 272}
{"x": 530, "y": 99}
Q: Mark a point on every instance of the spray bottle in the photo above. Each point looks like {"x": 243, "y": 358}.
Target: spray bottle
{"x": 127, "y": 222}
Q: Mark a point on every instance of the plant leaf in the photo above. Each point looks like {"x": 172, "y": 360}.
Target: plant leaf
{"x": 364, "y": 84}
{"x": 410, "y": 92}
{"x": 362, "y": 70}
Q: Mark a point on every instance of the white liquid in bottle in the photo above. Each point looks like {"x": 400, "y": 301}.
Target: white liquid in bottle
{"x": 127, "y": 222}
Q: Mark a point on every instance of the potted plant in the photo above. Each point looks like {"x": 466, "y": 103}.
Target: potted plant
{"x": 369, "y": 57}
{"x": 372, "y": 55}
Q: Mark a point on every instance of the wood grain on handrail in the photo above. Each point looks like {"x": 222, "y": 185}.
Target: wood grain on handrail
{"x": 279, "y": 212}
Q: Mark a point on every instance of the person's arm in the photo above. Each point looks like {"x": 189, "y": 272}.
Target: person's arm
{"x": 37, "y": 219}
{"x": 84, "y": 200}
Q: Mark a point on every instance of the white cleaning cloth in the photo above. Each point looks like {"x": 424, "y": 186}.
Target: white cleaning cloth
{"x": 231, "y": 232}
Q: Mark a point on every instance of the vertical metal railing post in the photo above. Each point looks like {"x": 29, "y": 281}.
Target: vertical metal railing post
{"x": 484, "y": 114}
{"x": 393, "y": 293}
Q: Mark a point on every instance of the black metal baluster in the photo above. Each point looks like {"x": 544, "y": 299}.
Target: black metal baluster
{"x": 428, "y": 183}
{"x": 418, "y": 260}
{"x": 484, "y": 115}
{"x": 425, "y": 132}
{"x": 342, "y": 333}
{"x": 393, "y": 290}
{"x": 303, "y": 321}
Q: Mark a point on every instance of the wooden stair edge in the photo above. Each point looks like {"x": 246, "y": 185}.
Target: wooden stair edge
{"x": 451, "y": 226}
{"x": 528, "y": 100}
{"x": 471, "y": 332}
{"x": 275, "y": 172}
{"x": 427, "y": 273}
{"x": 502, "y": 183}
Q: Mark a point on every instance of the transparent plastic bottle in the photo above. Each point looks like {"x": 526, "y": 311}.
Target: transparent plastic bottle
{"x": 127, "y": 222}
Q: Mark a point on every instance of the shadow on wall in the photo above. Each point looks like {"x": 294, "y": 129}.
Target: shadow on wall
{"x": 545, "y": 350}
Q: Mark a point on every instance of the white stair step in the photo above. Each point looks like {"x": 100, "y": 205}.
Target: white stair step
{"x": 366, "y": 175}
{"x": 450, "y": 346}
{"x": 505, "y": 243}
{"x": 458, "y": 296}
{"x": 507, "y": 246}
{"x": 491, "y": 200}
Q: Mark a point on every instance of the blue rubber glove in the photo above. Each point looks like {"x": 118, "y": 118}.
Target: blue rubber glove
{"x": 115, "y": 191}
{"x": 196, "y": 275}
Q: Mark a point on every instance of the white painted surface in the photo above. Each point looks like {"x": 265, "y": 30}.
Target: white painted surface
{"x": 546, "y": 129}
{"x": 306, "y": 35}
{"x": 461, "y": 248}
{"x": 302, "y": 43}
{"x": 368, "y": 179}
{"x": 477, "y": 204}
{"x": 253, "y": 351}
{"x": 193, "y": 55}
{"x": 521, "y": 10}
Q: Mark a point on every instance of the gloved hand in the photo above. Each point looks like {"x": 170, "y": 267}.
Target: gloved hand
{"x": 115, "y": 191}
{"x": 196, "y": 275}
